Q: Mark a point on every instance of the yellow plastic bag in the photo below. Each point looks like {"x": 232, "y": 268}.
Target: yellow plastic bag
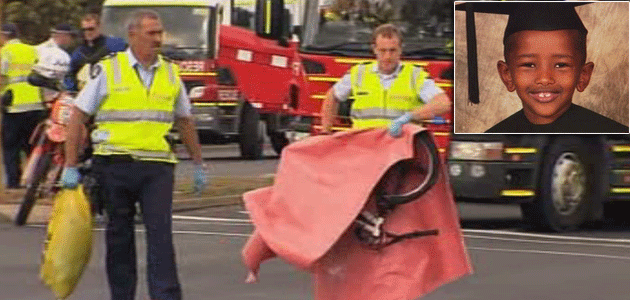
{"x": 68, "y": 243}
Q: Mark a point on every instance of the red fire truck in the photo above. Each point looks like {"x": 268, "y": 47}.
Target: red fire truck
{"x": 239, "y": 83}
{"x": 561, "y": 182}
{"x": 335, "y": 35}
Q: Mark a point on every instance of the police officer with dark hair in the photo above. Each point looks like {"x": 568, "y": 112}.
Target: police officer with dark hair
{"x": 21, "y": 102}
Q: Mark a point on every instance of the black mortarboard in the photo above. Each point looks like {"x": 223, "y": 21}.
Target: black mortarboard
{"x": 543, "y": 16}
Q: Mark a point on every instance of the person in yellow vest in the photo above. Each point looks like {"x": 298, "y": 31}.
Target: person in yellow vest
{"x": 136, "y": 96}
{"x": 386, "y": 92}
{"x": 21, "y": 102}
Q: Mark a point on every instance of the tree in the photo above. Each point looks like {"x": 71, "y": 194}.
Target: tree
{"x": 36, "y": 17}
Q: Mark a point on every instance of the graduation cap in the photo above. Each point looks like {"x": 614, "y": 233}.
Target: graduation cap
{"x": 544, "y": 16}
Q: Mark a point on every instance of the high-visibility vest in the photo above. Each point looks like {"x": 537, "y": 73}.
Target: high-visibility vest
{"x": 21, "y": 58}
{"x": 375, "y": 106}
{"x": 133, "y": 120}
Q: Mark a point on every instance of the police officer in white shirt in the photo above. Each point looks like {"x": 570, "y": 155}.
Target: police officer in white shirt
{"x": 53, "y": 61}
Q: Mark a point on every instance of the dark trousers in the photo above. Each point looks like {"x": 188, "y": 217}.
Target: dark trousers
{"x": 16, "y": 131}
{"x": 124, "y": 182}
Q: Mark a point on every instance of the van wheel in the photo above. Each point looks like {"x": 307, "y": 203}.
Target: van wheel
{"x": 251, "y": 133}
{"x": 568, "y": 187}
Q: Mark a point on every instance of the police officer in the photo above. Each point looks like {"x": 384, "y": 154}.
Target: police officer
{"x": 387, "y": 92}
{"x": 54, "y": 61}
{"x": 25, "y": 109}
{"x": 136, "y": 96}
{"x": 94, "y": 47}
{"x": 61, "y": 37}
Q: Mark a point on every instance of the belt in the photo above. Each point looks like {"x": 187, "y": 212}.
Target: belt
{"x": 124, "y": 158}
{"x": 114, "y": 158}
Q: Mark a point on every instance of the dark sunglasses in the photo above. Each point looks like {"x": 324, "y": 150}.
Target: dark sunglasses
{"x": 88, "y": 29}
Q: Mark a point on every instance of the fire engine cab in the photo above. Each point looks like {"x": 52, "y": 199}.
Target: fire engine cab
{"x": 238, "y": 82}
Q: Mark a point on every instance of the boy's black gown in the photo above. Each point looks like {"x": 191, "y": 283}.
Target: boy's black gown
{"x": 576, "y": 119}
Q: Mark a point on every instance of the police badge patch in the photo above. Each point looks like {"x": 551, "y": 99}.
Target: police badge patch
{"x": 95, "y": 70}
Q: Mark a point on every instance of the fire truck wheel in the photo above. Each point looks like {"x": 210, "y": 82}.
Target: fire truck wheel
{"x": 568, "y": 186}
{"x": 251, "y": 133}
{"x": 278, "y": 141}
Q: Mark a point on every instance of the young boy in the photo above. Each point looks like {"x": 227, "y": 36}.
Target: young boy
{"x": 545, "y": 62}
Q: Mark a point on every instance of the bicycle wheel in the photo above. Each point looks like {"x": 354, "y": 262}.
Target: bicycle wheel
{"x": 41, "y": 169}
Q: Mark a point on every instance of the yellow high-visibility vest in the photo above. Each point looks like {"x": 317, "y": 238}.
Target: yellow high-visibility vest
{"x": 133, "y": 120}
{"x": 375, "y": 106}
{"x": 21, "y": 58}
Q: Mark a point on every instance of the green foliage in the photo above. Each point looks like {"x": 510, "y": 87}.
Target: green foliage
{"x": 35, "y": 18}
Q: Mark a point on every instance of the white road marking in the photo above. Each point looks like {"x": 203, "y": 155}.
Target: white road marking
{"x": 576, "y": 239}
{"x": 140, "y": 230}
{"x": 206, "y": 198}
{"x": 551, "y": 253}
{"x": 544, "y": 242}
{"x": 217, "y": 223}
{"x": 240, "y": 235}
{"x": 547, "y": 236}
{"x": 194, "y": 218}
{"x": 211, "y": 233}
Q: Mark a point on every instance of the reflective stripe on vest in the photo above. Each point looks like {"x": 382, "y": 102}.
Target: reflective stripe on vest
{"x": 378, "y": 113}
{"x": 19, "y": 108}
{"x": 21, "y": 58}
{"x": 132, "y": 119}
{"x": 375, "y": 106}
{"x": 135, "y": 115}
{"x": 17, "y": 79}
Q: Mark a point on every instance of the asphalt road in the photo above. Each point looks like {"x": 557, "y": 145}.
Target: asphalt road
{"x": 509, "y": 263}
{"x": 224, "y": 160}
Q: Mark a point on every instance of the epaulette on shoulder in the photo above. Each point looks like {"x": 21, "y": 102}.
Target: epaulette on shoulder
{"x": 108, "y": 56}
{"x": 167, "y": 59}
{"x": 417, "y": 67}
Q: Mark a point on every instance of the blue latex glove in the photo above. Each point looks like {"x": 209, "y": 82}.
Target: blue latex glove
{"x": 439, "y": 120}
{"x": 70, "y": 177}
{"x": 200, "y": 179}
{"x": 395, "y": 128}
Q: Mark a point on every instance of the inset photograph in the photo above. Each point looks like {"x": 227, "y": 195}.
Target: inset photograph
{"x": 541, "y": 67}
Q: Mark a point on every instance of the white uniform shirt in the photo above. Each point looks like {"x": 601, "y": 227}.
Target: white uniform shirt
{"x": 52, "y": 61}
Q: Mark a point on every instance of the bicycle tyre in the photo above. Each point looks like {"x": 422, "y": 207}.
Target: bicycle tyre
{"x": 43, "y": 165}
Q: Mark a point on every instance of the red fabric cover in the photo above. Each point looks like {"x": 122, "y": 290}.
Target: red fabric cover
{"x": 321, "y": 186}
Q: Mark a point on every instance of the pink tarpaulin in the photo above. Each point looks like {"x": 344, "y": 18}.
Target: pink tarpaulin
{"x": 322, "y": 184}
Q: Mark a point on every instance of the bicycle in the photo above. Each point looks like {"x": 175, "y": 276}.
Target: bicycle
{"x": 47, "y": 158}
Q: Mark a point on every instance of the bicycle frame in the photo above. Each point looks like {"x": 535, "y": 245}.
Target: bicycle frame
{"x": 49, "y": 137}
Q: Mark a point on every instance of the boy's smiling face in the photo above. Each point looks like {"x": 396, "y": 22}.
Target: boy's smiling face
{"x": 545, "y": 68}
